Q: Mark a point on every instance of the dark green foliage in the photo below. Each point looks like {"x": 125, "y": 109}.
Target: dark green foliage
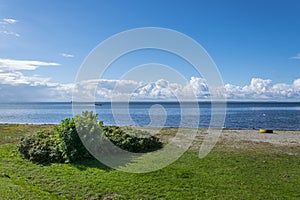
{"x": 41, "y": 147}
{"x": 132, "y": 140}
{"x": 68, "y": 141}
{"x": 89, "y": 130}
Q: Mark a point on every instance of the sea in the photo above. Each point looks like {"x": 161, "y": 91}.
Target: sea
{"x": 239, "y": 115}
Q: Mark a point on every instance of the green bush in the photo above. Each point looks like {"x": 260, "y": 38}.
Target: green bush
{"x": 131, "y": 139}
{"x": 65, "y": 142}
{"x": 70, "y": 144}
{"x": 41, "y": 147}
{"x": 89, "y": 130}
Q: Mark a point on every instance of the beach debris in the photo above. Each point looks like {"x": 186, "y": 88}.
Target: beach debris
{"x": 265, "y": 131}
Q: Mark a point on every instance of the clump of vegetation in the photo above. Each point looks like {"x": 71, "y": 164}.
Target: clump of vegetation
{"x": 41, "y": 147}
{"x": 64, "y": 144}
{"x": 70, "y": 144}
{"x": 131, "y": 139}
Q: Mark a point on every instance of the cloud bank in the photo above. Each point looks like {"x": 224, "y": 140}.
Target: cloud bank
{"x": 258, "y": 89}
{"x": 15, "y": 86}
{"x": 263, "y": 90}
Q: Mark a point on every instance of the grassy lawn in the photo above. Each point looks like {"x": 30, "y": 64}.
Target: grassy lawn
{"x": 226, "y": 173}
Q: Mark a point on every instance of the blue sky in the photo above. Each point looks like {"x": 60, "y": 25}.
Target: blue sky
{"x": 252, "y": 42}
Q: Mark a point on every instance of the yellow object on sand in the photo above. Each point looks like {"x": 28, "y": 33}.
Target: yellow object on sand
{"x": 265, "y": 131}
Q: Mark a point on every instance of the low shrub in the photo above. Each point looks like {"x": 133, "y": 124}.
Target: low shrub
{"x": 41, "y": 147}
{"x": 70, "y": 144}
{"x": 65, "y": 142}
{"x": 131, "y": 139}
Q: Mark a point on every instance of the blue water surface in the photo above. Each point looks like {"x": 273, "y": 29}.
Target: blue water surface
{"x": 240, "y": 115}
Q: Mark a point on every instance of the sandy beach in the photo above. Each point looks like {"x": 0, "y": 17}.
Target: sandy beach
{"x": 276, "y": 138}
{"x": 235, "y": 137}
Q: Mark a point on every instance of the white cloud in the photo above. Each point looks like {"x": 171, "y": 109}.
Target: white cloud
{"x": 105, "y": 89}
{"x": 10, "y": 33}
{"x": 296, "y": 84}
{"x": 10, "y": 20}
{"x": 161, "y": 89}
{"x": 14, "y": 85}
{"x": 40, "y": 92}
{"x": 67, "y": 55}
{"x": 124, "y": 89}
{"x": 198, "y": 86}
{"x": 17, "y": 78}
{"x": 10, "y": 72}
{"x": 296, "y": 57}
{"x": 13, "y": 65}
{"x": 258, "y": 89}
{"x": 264, "y": 89}
{"x": 4, "y": 30}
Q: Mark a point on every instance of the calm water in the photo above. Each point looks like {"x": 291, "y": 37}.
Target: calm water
{"x": 242, "y": 115}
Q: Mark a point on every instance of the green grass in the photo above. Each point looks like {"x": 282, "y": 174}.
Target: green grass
{"x": 265, "y": 172}
{"x": 11, "y": 133}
